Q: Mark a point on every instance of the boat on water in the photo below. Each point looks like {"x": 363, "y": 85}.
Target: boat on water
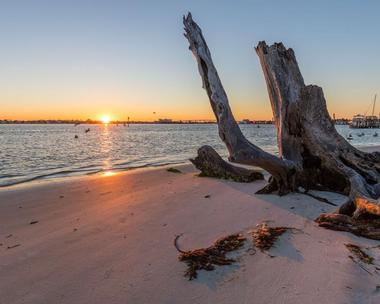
{"x": 364, "y": 122}
{"x": 360, "y": 121}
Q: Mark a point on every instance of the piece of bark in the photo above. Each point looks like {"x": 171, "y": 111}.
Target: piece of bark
{"x": 211, "y": 164}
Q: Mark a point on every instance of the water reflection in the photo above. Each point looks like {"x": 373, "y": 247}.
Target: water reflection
{"x": 108, "y": 173}
{"x": 106, "y": 146}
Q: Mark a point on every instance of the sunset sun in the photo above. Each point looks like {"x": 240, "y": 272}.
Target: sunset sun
{"x": 105, "y": 119}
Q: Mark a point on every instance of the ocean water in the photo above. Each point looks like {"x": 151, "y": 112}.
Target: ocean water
{"x": 30, "y": 152}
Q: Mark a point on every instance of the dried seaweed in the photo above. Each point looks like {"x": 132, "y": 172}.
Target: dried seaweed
{"x": 358, "y": 252}
{"x": 207, "y": 258}
{"x": 265, "y": 236}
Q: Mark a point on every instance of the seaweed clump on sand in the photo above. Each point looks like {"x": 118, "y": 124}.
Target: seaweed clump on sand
{"x": 207, "y": 258}
{"x": 359, "y": 254}
{"x": 359, "y": 257}
{"x": 265, "y": 236}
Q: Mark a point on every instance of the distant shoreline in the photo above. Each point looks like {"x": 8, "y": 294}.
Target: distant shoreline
{"x": 117, "y": 122}
{"x": 52, "y": 122}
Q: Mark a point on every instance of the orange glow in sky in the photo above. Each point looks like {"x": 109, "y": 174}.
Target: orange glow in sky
{"x": 123, "y": 59}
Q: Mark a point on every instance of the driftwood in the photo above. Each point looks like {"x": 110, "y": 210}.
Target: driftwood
{"x": 369, "y": 228}
{"x": 211, "y": 164}
{"x": 312, "y": 154}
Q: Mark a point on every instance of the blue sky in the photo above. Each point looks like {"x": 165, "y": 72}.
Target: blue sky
{"x": 79, "y": 59}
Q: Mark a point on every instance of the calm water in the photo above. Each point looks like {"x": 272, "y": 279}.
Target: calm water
{"x": 29, "y": 152}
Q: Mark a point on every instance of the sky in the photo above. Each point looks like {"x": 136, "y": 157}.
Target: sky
{"x": 78, "y": 59}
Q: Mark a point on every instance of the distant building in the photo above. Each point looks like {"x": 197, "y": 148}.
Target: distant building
{"x": 341, "y": 121}
{"x": 255, "y": 122}
{"x": 246, "y": 122}
{"x": 165, "y": 120}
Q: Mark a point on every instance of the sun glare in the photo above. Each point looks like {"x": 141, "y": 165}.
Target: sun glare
{"x": 109, "y": 173}
{"x": 105, "y": 119}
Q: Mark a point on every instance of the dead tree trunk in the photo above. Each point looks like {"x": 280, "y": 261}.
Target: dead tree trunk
{"x": 312, "y": 153}
{"x": 240, "y": 149}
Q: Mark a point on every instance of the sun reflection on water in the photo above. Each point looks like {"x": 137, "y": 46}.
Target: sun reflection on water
{"x": 108, "y": 173}
{"x": 106, "y": 147}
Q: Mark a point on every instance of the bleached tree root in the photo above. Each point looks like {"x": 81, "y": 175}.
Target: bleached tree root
{"x": 211, "y": 164}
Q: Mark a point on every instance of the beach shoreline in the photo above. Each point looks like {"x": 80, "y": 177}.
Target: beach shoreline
{"x": 109, "y": 239}
{"x": 45, "y": 152}
{"x": 64, "y": 179}
{"x": 61, "y": 179}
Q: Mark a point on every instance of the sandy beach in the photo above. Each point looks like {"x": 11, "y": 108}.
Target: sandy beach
{"x": 109, "y": 239}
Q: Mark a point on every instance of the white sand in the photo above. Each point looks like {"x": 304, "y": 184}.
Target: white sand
{"x": 122, "y": 250}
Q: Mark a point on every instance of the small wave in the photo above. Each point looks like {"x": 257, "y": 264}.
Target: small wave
{"x": 10, "y": 175}
{"x": 62, "y": 173}
{"x": 80, "y": 171}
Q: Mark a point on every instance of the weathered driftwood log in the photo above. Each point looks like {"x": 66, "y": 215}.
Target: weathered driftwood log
{"x": 312, "y": 154}
{"x": 240, "y": 149}
{"x": 211, "y": 164}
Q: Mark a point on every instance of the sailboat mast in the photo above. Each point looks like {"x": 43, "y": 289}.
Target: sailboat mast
{"x": 374, "y": 103}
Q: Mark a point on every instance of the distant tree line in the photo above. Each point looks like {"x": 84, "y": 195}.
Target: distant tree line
{"x": 341, "y": 121}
